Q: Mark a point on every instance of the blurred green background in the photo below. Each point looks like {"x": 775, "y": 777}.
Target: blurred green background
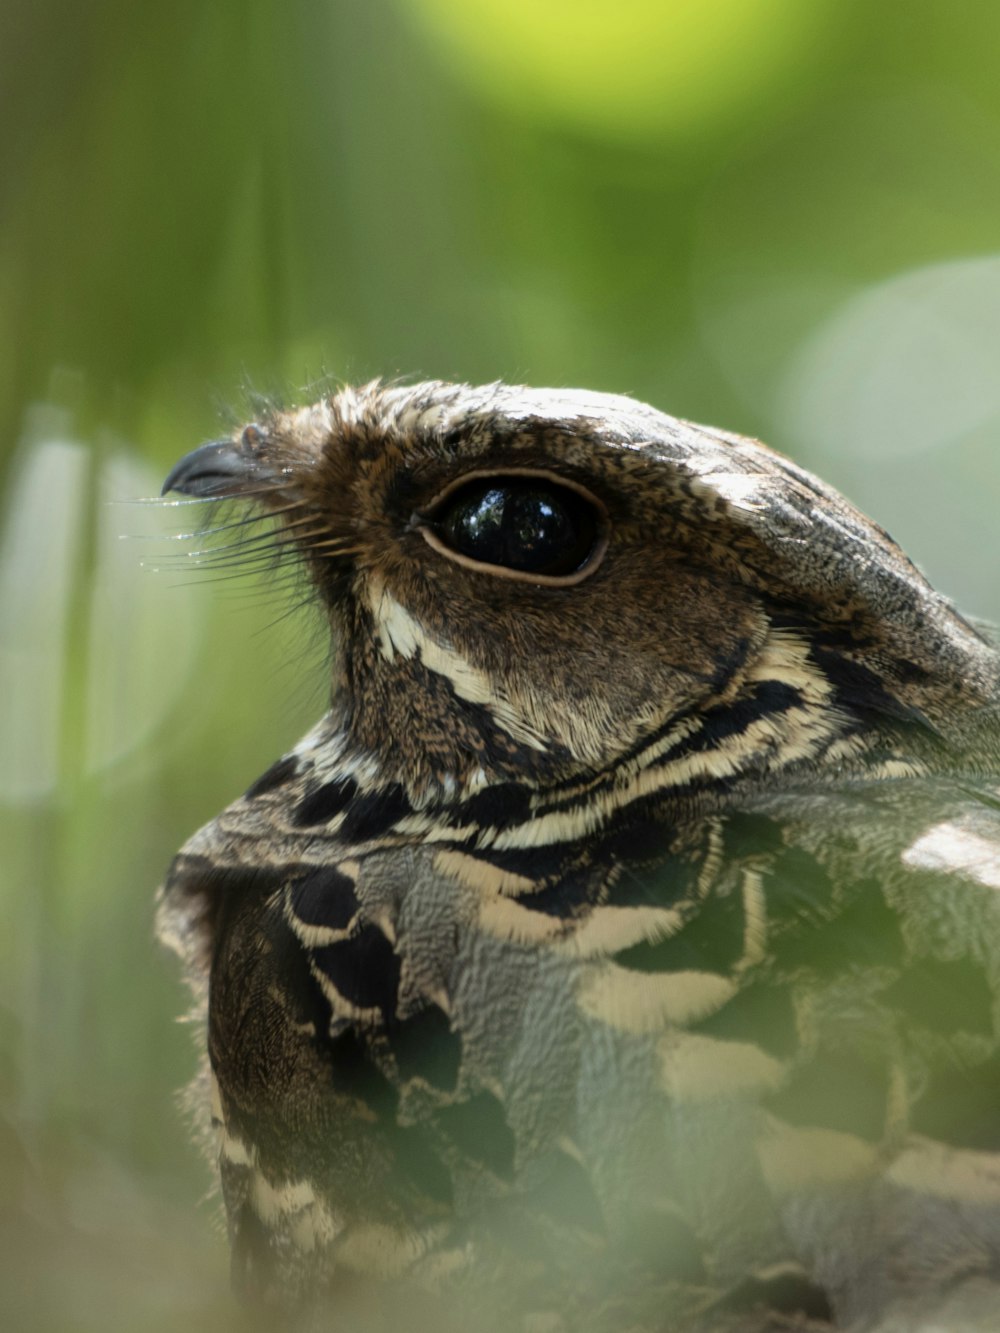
{"x": 780, "y": 216}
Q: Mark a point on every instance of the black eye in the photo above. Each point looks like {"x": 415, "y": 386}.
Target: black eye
{"x": 524, "y": 523}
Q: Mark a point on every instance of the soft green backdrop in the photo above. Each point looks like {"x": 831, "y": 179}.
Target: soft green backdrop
{"x": 781, "y": 216}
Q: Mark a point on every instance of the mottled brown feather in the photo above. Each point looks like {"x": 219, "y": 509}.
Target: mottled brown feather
{"x": 621, "y": 951}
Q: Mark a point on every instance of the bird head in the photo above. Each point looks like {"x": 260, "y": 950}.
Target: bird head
{"x": 541, "y": 585}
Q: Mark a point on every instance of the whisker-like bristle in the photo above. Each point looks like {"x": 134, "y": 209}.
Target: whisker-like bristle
{"x": 271, "y": 544}
{"x": 247, "y": 520}
{"x": 173, "y": 502}
{"x": 283, "y": 527}
{"x": 246, "y": 493}
{"x": 333, "y": 541}
{"x": 268, "y": 558}
{"x": 291, "y": 611}
{"x": 224, "y": 576}
{"x": 273, "y": 540}
{"x": 336, "y": 554}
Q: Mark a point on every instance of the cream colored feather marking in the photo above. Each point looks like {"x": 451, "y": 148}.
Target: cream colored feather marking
{"x": 794, "y": 1159}
{"x": 648, "y": 1002}
{"x": 602, "y": 933}
{"x": 793, "y": 735}
{"x": 948, "y": 1173}
{"x": 699, "y": 1069}
{"x": 313, "y": 936}
{"x": 473, "y": 872}
{"x": 609, "y": 930}
{"x": 340, "y": 1007}
{"x": 294, "y": 1207}
{"x": 507, "y": 919}
{"x": 713, "y": 859}
{"x": 754, "y": 919}
{"x": 399, "y": 633}
{"x": 382, "y": 1250}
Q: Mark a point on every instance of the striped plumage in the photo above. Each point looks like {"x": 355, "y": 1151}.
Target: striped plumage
{"x": 622, "y": 949}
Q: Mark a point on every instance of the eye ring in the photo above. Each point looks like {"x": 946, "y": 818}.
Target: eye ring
{"x": 423, "y": 521}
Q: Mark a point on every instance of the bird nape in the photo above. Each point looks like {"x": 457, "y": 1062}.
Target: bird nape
{"x": 622, "y": 948}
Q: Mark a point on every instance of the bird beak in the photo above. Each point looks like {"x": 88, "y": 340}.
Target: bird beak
{"x": 216, "y": 470}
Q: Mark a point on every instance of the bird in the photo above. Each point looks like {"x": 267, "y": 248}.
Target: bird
{"x": 621, "y": 949}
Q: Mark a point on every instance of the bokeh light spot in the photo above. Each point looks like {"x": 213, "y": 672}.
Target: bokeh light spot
{"x": 896, "y": 397}
{"x": 906, "y": 366}
{"x": 635, "y": 69}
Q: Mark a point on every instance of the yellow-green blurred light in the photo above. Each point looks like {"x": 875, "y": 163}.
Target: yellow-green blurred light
{"x": 629, "y": 69}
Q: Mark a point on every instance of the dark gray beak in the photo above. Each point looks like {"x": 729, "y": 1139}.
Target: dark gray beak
{"x": 215, "y": 470}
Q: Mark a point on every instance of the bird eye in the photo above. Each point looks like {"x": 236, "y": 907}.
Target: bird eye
{"x": 527, "y": 524}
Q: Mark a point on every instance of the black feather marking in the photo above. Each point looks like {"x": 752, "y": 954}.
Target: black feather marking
{"x": 374, "y": 813}
{"x": 325, "y": 897}
{"x": 768, "y": 698}
{"x": 635, "y": 839}
{"x": 324, "y": 803}
{"x": 789, "y": 1291}
{"x": 427, "y": 1047}
{"x": 911, "y": 672}
{"x": 417, "y": 1160}
{"x": 726, "y": 667}
{"x": 762, "y": 1013}
{"x": 711, "y": 941}
{"x": 861, "y": 691}
{"x": 667, "y": 882}
{"x": 500, "y": 806}
{"x": 364, "y": 969}
{"x": 568, "y": 896}
{"x": 280, "y": 772}
{"x": 479, "y": 1129}
{"x": 549, "y": 862}
{"x": 355, "y": 1074}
